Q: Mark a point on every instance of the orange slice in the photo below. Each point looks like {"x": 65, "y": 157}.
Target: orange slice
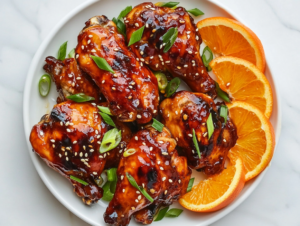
{"x": 229, "y": 37}
{"x": 244, "y": 82}
{"x": 256, "y": 140}
{"x": 217, "y": 191}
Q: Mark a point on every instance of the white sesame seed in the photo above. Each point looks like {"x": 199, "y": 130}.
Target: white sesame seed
{"x": 170, "y": 181}
{"x": 89, "y": 41}
{"x": 116, "y": 49}
{"x": 165, "y": 153}
{"x": 52, "y": 140}
{"x": 103, "y": 81}
{"x": 136, "y": 200}
{"x": 163, "y": 179}
{"x": 197, "y": 29}
{"x": 82, "y": 47}
{"x": 142, "y": 53}
{"x": 67, "y": 158}
{"x": 181, "y": 21}
{"x": 142, "y": 60}
{"x": 190, "y": 52}
{"x": 98, "y": 142}
{"x": 151, "y": 148}
{"x": 168, "y": 115}
{"x": 112, "y": 32}
{"x": 104, "y": 155}
{"x": 151, "y": 57}
{"x": 185, "y": 65}
{"x": 59, "y": 155}
{"x": 224, "y": 140}
{"x": 179, "y": 181}
{"x": 188, "y": 32}
{"x": 83, "y": 147}
{"x": 95, "y": 173}
{"x": 93, "y": 50}
{"x": 68, "y": 130}
{"x": 138, "y": 59}
{"x": 204, "y": 134}
{"x": 136, "y": 138}
{"x": 133, "y": 208}
{"x": 130, "y": 87}
{"x": 161, "y": 168}
{"x": 81, "y": 154}
{"x": 176, "y": 112}
{"x": 147, "y": 25}
{"x": 100, "y": 156}
{"x": 77, "y": 55}
{"x": 139, "y": 197}
{"x": 154, "y": 111}
{"x": 86, "y": 155}
{"x": 41, "y": 133}
{"x": 67, "y": 123}
{"x": 188, "y": 36}
{"x": 92, "y": 150}
{"x": 123, "y": 190}
{"x": 156, "y": 65}
{"x": 141, "y": 64}
{"x": 73, "y": 84}
{"x": 178, "y": 67}
{"x": 190, "y": 135}
{"x": 193, "y": 151}
{"x": 166, "y": 191}
{"x": 122, "y": 177}
{"x": 53, "y": 145}
{"x": 75, "y": 154}
{"x": 167, "y": 61}
{"x": 90, "y": 36}
{"x": 197, "y": 37}
{"x": 197, "y": 74}
{"x": 228, "y": 84}
{"x": 136, "y": 24}
{"x": 126, "y": 21}
{"x": 61, "y": 123}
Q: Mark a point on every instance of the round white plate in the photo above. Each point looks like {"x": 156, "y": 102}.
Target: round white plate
{"x": 35, "y": 107}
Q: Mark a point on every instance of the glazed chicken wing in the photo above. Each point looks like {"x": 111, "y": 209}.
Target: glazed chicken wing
{"x": 132, "y": 91}
{"x": 156, "y": 166}
{"x": 183, "y": 60}
{"x": 68, "y": 140}
{"x": 186, "y": 111}
{"x": 70, "y": 79}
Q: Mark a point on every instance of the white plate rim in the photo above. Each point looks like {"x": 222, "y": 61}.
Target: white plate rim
{"x": 27, "y": 127}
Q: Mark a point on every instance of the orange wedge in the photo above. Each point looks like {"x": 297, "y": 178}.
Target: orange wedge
{"x": 217, "y": 191}
{"x": 244, "y": 82}
{"x": 256, "y": 140}
{"x": 229, "y": 37}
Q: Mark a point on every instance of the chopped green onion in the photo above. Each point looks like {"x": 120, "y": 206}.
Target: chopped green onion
{"x": 99, "y": 181}
{"x": 140, "y": 188}
{"x": 210, "y": 126}
{"x": 80, "y": 97}
{"x": 161, "y": 214}
{"x": 161, "y": 80}
{"x": 196, "y": 12}
{"x": 104, "y": 110}
{"x": 44, "y": 85}
{"x": 102, "y": 63}
{"x": 172, "y": 86}
{"x": 190, "y": 185}
{"x": 157, "y": 125}
{"x": 224, "y": 96}
{"x": 107, "y": 119}
{"x": 129, "y": 152}
{"x": 224, "y": 112}
{"x": 107, "y": 194}
{"x": 207, "y": 56}
{"x": 110, "y": 140}
{"x": 196, "y": 144}
{"x": 136, "y": 36}
{"x": 124, "y": 12}
{"x": 120, "y": 26}
{"x": 169, "y": 38}
{"x": 174, "y": 212}
{"x": 112, "y": 174}
{"x": 167, "y": 4}
{"x": 72, "y": 54}
{"x": 113, "y": 185}
{"x": 62, "y": 52}
{"x": 78, "y": 180}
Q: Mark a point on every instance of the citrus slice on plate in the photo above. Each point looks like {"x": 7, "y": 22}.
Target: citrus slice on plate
{"x": 229, "y": 37}
{"x": 217, "y": 191}
{"x": 244, "y": 82}
{"x": 256, "y": 140}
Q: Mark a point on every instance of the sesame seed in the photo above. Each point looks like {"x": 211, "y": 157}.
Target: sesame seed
{"x": 132, "y": 208}
{"x": 176, "y": 112}
{"x": 152, "y": 8}
{"x": 197, "y": 74}
{"x": 201, "y": 85}
{"x": 41, "y": 133}
{"x": 180, "y": 111}
{"x": 126, "y": 21}
{"x": 147, "y": 25}
{"x": 104, "y": 155}
{"x": 204, "y": 134}
{"x": 142, "y": 53}
{"x": 197, "y": 29}
{"x": 130, "y": 97}
{"x": 139, "y": 116}
{"x": 61, "y": 123}
{"x": 68, "y": 130}
{"x": 67, "y": 158}
{"x": 156, "y": 65}
{"x": 152, "y": 190}
{"x": 113, "y": 88}
{"x": 154, "y": 111}
{"x": 151, "y": 148}
{"x": 52, "y": 140}
{"x": 197, "y": 37}
{"x": 136, "y": 200}
{"x": 188, "y": 32}
{"x": 86, "y": 155}
{"x": 224, "y": 140}
{"x": 77, "y": 55}
{"x": 137, "y": 59}
{"x": 139, "y": 197}
{"x": 165, "y": 153}
{"x": 142, "y": 60}
{"x": 100, "y": 156}
{"x": 82, "y": 47}
{"x": 62, "y": 148}
{"x": 68, "y": 148}
{"x": 123, "y": 190}
{"x": 112, "y": 32}
{"x": 161, "y": 59}
{"x": 92, "y": 150}
{"x": 184, "y": 75}
{"x": 167, "y": 61}
{"x": 168, "y": 115}
{"x": 170, "y": 181}
{"x": 166, "y": 191}
{"x": 75, "y": 154}
{"x": 53, "y": 145}
{"x": 161, "y": 168}
{"x": 153, "y": 30}
{"x": 122, "y": 177}
{"x": 138, "y": 192}
{"x": 203, "y": 124}
{"x": 59, "y": 155}
{"x": 228, "y": 84}
{"x": 151, "y": 57}
{"x": 136, "y": 24}
{"x": 89, "y": 41}
{"x": 73, "y": 84}
{"x": 67, "y": 123}
{"x": 188, "y": 36}
{"x": 103, "y": 81}
{"x": 136, "y": 138}
{"x": 130, "y": 87}
{"x": 179, "y": 181}
{"x": 83, "y": 147}
{"x": 178, "y": 67}
{"x": 161, "y": 142}
{"x": 95, "y": 173}
{"x": 90, "y": 36}
{"x": 190, "y": 135}
{"x": 98, "y": 142}
{"x": 70, "y": 76}
{"x": 185, "y": 65}
{"x": 185, "y": 117}
{"x": 181, "y": 21}
{"x": 190, "y": 52}
{"x": 93, "y": 50}
{"x": 141, "y": 64}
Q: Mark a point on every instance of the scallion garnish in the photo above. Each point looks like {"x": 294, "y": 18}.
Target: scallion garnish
{"x": 161, "y": 80}
{"x": 172, "y": 86}
{"x": 169, "y": 38}
{"x": 190, "y": 185}
{"x": 78, "y": 180}
{"x": 174, "y": 212}
{"x": 224, "y": 112}
{"x": 224, "y": 96}
{"x": 167, "y": 4}
{"x": 72, "y": 54}
{"x": 112, "y": 174}
{"x": 107, "y": 119}
{"x": 140, "y": 188}
{"x": 196, "y": 12}
{"x": 196, "y": 144}
{"x": 44, "y": 85}
{"x": 207, "y": 56}
{"x": 104, "y": 110}
{"x": 129, "y": 152}
{"x": 62, "y": 52}
{"x": 124, "y": 12}
{"x": 161, "y": 214}
{"x": 210, "y": 125}
{"x": 80, "y": 97}
{"x": 110, "y": 186}
{"x": 136, "y": 36}
{"x": 157, "y": 125}
{"x": 107, "y": 194}
{"x": 102, "y": 63}
{"x": 120, "y": 26}
{"x": 110, "y": 140}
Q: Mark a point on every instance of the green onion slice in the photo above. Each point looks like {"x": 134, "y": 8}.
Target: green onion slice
{"x": 224, "y": 96}
{"x": 140, "y": 188}
{"x": 62, "y": 52}
{"x": 191, "y": 182}
{"x": 99, "y": 181}
{"x": 161, "y": 80}
{"x": 72, "y": 54}
{"x": 124, "y": 12}
{"x": 210, "y": 126}
{"x": 110, "y": 140}
{"x": 169, "y": 38}
{"x": 102, "y": 63}
{"x": 107, "y": 194}
{"x": 207, "y": 56}
{"x": 80, "y": 97}
{"x": 157, "y": 125}
{"x": 167, "y": 4}
{"x": 129, "y": 152}
{"x": 44, "y": 85}
{"x": 161, "y": 214}
{"x": 78, "y": 180}
{"x": 224, "y": 112}
{"x": 112, "y": 174}
{"x": 107, "y": 119}
{"x": 174, "y": 212}
{"x": 196, "y": 12}
{"x": 120, "y": 26}
{"x": 136, "y": 36}
{"x": 196, "y": 144}
{"x": 104, "y": 110}
{"x": 172, "y": 86}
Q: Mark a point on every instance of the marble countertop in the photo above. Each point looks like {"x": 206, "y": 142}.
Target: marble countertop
{"x": 24, "y": 199}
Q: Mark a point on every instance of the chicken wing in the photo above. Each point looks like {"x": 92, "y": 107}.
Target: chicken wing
{"x": 132, "y": 91}
{"x": 68, "y": 140}
{"x": 186, "y": 111}
{"x": 183, "y": 60}
{"x": 156, "y": 166}
{"x": 70, "y": 79}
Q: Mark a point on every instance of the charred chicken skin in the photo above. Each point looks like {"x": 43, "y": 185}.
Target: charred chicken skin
{"x": 186, "y": 111}
{"x": 183, "y": 60}
{"x": 70, "y": 79}
{"x": 156, "y": 166}
{"x": 132, "y": 91}
{"x": 68, "y": 140}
